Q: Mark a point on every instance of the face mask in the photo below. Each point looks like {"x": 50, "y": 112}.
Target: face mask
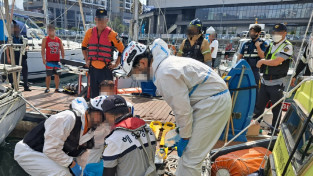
{"x": 253, "y": 36}
{"x": 277, "y": 38}
{"x": 191, "y": 32}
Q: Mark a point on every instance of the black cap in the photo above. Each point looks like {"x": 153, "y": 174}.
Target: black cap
{"x": 113, "y": 102}
{"x": 101, "y": 13}
{"x": 280, "y": 27}
{"x": 256, "y": 28}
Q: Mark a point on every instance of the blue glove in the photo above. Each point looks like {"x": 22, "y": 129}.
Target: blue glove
{"x": 181, "y": 146}
{"x": 77, "y": 170}
{"x": 94, "y": 169}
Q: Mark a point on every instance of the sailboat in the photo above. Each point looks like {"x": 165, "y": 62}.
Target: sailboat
{"x": 12, "y": 105}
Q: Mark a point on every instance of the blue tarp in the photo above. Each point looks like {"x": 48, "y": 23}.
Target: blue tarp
{"x": 2, "y": 36}
{"x": 19, "y": 15}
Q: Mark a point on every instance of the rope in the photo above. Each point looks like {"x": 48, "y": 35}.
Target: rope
{"x": 171, "y": 163}
{"x": 13, "y": 103}
{"x": 160, "y": 11}
{"x": 63, "y": 13}
{"x": 32, "y": 106}
{"x": 244, "y": 88}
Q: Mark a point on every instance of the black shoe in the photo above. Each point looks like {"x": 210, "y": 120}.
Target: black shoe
{"x": 27, "y": 89}
{"x": 47, "y": 90}
{"x": 58, "y": 91}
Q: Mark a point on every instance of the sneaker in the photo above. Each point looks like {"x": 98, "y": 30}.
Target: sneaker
{"x": 58, "y": 91}
{"x": 47, "y": 90}
{"x": 27, "y": 89}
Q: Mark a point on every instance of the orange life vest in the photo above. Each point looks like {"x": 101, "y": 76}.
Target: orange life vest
{"x": 172, "y": 49}
{"x": 101, "y": 48}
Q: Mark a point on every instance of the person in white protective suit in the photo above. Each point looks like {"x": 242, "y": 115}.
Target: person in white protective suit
{"x": 57, "y": 145}
{"x": 198, "y": 97}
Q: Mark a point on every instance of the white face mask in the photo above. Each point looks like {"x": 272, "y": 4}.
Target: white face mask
{"x": 277, "y": 38}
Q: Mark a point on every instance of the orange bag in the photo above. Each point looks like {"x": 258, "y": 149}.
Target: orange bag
{"x": 239, "y": 163}
{"x": 129, "y": 90}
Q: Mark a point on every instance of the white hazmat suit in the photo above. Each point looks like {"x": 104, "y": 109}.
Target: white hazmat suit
{"x": 53, "y": 161}
{"x": 199, "y": 99}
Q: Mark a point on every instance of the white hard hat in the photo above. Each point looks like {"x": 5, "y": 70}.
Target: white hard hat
{"x": 96, "y": 103}
{"x": 131, "y": 107}
{"x": 79, "y": 103}
{"x": 210, "y": 30}
{"x": 129, "y": 55}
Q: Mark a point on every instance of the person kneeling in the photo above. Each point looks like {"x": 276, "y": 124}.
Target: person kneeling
{"x": 130, "y": 147}
{"x": 52, "y": 147}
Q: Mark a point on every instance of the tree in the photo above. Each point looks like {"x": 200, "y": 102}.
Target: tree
{"x": 117, "y": 25}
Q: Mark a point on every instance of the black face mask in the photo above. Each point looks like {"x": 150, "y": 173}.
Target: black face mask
{"x": 254, "y": 36}
{"x": 191, "y": 32}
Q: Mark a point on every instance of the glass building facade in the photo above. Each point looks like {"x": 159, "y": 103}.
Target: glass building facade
{"x": 268, "y": 13}
{"x": 278, "y": 11}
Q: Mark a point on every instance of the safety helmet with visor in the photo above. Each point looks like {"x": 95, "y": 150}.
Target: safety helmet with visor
{"x": 95, "y": 111}
{"x": 131, "y": 57}
{"x": 194, "y": 27}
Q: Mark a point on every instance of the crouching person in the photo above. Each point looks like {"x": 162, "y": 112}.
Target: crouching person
{"x": 56, "y": 146}
{"x": 130, "y": 147}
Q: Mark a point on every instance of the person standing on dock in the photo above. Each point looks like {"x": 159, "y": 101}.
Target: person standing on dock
{"x": 98, "y": 47}
{"x": 57, "y": 145}
{"x": 213, "y": 46}
{"x": 50, "y": 51}
{"x": 198, "y": 96}
{"x": 253, "y": 50}
{"x": 18, "y": 39}
{"x": 274, "y": 67}
{"x": 195, "y": 46}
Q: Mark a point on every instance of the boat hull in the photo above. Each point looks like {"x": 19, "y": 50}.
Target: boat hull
{"x": 15, "y": 108}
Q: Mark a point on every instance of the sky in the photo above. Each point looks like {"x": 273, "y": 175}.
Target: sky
{"x": 18, "y": 3}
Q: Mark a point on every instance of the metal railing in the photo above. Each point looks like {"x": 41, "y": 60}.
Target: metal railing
{"x": 219, "y": 36}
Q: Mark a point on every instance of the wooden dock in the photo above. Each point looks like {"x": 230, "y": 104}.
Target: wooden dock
{"x": 50, "y": 103}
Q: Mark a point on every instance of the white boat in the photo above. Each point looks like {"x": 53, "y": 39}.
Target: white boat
{"x": 12, "y": 110}
{"x": 36, "y": 68}
{"x": 12, "y": 106}
{"x": 33, "y": 37}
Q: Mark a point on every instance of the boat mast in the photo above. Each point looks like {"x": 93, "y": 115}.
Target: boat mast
{"x": 82, "y": 14}
{"x": 10, "y": 41}
{"x": 136, "y": 5}
{"x": 45, "y": 9}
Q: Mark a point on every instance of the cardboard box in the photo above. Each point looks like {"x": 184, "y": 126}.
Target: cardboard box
{"x": 253, "y": 130}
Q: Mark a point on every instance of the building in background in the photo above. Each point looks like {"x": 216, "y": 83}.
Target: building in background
{"x": 226, "y": 16}
{"x": 66, "y": 13}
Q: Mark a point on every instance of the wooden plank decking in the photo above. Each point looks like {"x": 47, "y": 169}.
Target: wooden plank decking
{"x": 50, "y": 103}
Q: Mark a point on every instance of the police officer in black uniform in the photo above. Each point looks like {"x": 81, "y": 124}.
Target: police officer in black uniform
{"x": 274, "y": 68}
{"x": 195, "y": 46}
{"x": 253, "y": 50}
